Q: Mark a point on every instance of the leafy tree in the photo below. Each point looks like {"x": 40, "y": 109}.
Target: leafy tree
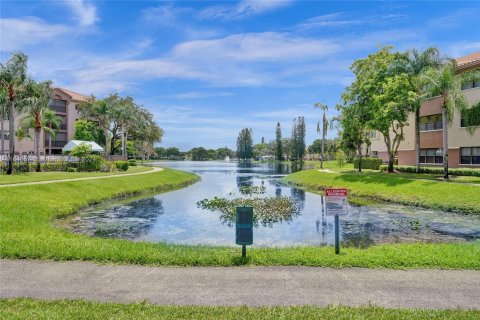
{"x": 173, "y": 152}
{"x": 199, "y": 154}
{"x": 417, "y": 63}
{"x": 160, "y": 152}
{"x": 146, "y": 133}
{"x": 81, "y": 151}
{"x": 297, "y": 145}
{"x": 383, "y": 96}
{"x": 38, "y": 115}
{"x": 245, "y": 144}
{"x": 278, "y": 143}
{"x": 13, "y": 76}
{"x": 87, "y": 130}
{"x": 100, "y": 112}
{"x": 222, "y": 153}
{"x": 445, "y": 82}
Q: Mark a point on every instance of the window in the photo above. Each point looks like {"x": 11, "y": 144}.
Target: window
{"x": 470, "y": 155}
{"x": 58, "y": 105}
{"x": 432, "y": 122}
{"x": 6, "y": 135}
{"x": 374, "y": 154}
{"x": 431, "y": 156}
{"x": 463, "y": 119}
{"x": 372, "y": 134}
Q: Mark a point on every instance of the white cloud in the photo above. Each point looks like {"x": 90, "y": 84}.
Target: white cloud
{"x": 19, "y": 33}
{"x": 166, "y": 15}
{"x": 198, "y": 94}
{"x": 243, "y": 9}
{"x": 85, "y": 12}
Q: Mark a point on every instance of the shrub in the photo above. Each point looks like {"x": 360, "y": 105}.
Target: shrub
{"x": 340, "y": 156}
{"x": 90, "y": 163}
{"x": 132, "y": 162}
{"x": 56, "y": 166}
{"x": 108, "y": 166}
{"x": 368, "y": 163}
{"x": 71, "y": 169}
{"x": 436, "y": 170}
{"x": 121, "y": 165}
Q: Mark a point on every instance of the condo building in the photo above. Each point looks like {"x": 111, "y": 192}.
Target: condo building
{"x": 65, "y": 104}
{"x": 463, "y": 147}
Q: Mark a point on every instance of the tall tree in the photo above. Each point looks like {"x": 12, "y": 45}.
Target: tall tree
{"x": 87, "y": 130}
{"x": 146, "y": 133}
{"x": 324, "y": 128}
{"x": 445, "y": 82}
{"x": 418, "y": 62}
{"x": 13, "y": 75}
{"x": 38, "y": 115}
{"x": 278, "y": 143}
{"x": 245, "y": 144}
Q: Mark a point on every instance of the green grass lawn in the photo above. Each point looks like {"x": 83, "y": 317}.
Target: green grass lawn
{"x": 27, "y": 231}
{"x": 398, "y": 188}
{"x": 78, "y": 309}
{"x": 45, "y": 176}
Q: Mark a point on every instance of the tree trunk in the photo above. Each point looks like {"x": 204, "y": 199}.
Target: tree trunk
{"x": 417, "y": 140}
{"x": 105, "y": 131}
{"x": 11, "y": 128}
{"x": 37, "y": 147}
{"x": 360, "y": 158}
{"x": 323, "y": 151}
{"x": 125, "y": 142}
{"x": 391, "y": 157}
{"x": 49, "y": 144}
{"x": 445, "y": 140}
{"x": 2, "y": 133}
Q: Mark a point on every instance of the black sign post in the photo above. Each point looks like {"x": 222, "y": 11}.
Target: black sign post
{"x": 244, "y": 228}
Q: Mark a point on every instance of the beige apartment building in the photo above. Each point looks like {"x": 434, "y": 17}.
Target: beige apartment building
{"x": 463, "y": 148}
{"x": 64, "y": 102}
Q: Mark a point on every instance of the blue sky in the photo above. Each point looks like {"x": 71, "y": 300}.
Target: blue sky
{"x": 206, "y": 69}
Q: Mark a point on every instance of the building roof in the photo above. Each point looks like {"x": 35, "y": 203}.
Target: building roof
{"x": 472, "y": 61}
{"x": 75, "y": 143}
{"x": 74, "y": 95}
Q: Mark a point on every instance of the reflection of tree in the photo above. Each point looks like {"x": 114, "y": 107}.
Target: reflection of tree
{"x": 127, "y": 221}
{"x": 244, "y": 181}
{"x": 299, "y": 196}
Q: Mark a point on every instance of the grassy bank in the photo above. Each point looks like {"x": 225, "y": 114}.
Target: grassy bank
{"x": 28, "y": 215}
{"x": 46, "y": 176}
{"x": 398, "y": 188}
{"x": 78, "y": 309}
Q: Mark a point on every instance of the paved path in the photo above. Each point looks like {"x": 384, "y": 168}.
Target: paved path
{"x": 252, "y": 286}
{"x": 155, "y": 169}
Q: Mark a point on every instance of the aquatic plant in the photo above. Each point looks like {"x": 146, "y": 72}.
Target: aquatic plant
{"x": 266, "y": 211}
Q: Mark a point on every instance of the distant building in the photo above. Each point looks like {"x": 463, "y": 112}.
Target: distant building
{"x": 463, "y": 148}
{"x": 64, "y": 102}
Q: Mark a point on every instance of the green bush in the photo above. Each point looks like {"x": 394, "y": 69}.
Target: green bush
{"x": 71, "y": 169}
{"x": 90, "y": 163}
{"x": 56, "y": 166}
{"x": 368, "y": 163}
{"x": 132, "y": 162}
{"x": 436, "y": 170}
{"x": 108, "y": 166}
{"x": 121, "y": 165}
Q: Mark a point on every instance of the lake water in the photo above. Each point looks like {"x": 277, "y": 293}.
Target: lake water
{"x": 174, "y": 217}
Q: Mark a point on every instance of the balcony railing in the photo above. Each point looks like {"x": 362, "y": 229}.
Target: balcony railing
{"x": 55, "y": 144}
{"x": 60, "y": 109}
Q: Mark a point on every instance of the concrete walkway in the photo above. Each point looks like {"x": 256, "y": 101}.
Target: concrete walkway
{"x": 154, "y": 169}
{"x": 253, "y": 286}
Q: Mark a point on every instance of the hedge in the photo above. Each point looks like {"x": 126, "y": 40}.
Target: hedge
{"x": 436, "y": 170}
{"x": 368, "y": 163}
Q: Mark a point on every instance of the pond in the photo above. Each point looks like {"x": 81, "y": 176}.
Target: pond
{"x": 175, "y": 217}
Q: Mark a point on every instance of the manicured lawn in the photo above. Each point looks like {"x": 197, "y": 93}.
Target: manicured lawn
{"x": 27, "y": 231}
{"x": 78, "y": 309}
{"x": 45, "y": 176}
{"x": 399, "y": 188}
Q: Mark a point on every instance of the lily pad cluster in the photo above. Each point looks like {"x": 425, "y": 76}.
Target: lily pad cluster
{"x": 266, "y": 211}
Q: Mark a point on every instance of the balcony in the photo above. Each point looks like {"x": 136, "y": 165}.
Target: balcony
{"x": 55, "y": 144}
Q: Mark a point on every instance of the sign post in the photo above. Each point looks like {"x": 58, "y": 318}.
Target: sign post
{"x": 244, "y": 228}
{"x": 336, "y": 204}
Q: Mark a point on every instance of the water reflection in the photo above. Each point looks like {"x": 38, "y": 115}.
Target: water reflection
{"x": 175, "y": 217}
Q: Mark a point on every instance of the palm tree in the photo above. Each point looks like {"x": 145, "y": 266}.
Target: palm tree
{"x": 417, "y": 63}
{"x": 13, "y": 75}
{"x": 38, "y": 115}
{"x": 99, "y": 112}
{"x": 446, "y": 83}
{"x": 324, "y": 129}
{"x": 3, "y": 117}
